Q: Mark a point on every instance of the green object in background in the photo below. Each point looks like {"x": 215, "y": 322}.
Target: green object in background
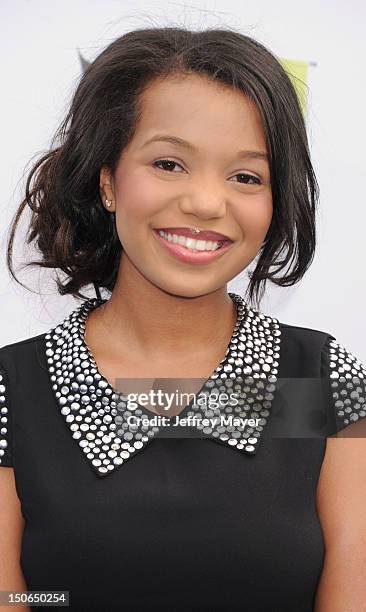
{"x": 298, "y": 73}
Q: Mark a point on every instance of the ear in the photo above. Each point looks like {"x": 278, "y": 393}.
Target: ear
{"x": 106, "y": 185}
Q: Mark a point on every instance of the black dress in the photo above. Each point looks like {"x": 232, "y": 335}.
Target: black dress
{"x": 211, "y": 515}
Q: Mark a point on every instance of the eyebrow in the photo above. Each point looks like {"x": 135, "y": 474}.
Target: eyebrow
{"x": 175, "y": 140}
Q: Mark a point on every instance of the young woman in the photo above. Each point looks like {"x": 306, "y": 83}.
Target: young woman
{"x": 183, "y": 158}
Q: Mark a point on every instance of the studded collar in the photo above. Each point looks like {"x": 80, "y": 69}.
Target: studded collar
{"x": 97, "y": 414}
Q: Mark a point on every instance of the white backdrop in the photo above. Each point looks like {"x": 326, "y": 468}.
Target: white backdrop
{"x": 40, "y": 67}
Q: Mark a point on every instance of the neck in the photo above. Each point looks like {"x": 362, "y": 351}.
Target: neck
{"x": 152, "y": 322}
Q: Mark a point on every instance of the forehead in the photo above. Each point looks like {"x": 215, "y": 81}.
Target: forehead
{"x": 199, "y": 109}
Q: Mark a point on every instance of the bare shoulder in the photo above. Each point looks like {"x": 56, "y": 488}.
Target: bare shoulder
{"x": 11, "y": 532}
{"x": 341, "y": 492}
{"x": 10, "y": 507}
{"x": 341, "y": 498}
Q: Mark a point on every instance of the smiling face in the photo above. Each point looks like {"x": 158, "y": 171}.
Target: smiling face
{"x": 209, "y": 184}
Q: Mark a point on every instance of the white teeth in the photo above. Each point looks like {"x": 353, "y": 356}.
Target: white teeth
{"x": 191, "y": 243}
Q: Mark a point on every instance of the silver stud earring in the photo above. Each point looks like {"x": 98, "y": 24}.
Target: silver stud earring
{"x": 108, "y": 203}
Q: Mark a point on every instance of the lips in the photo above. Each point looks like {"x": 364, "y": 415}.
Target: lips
{"x": 191, "y": 256}
{"x": 190, "y": 233}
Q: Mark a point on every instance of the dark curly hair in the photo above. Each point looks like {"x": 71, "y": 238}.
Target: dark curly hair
{"x": 70, "y": 226}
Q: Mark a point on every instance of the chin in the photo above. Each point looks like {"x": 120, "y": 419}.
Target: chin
{"x": 190, "y": 291}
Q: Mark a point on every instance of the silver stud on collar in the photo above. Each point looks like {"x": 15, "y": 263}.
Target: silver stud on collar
{"x": 96, "y": 414}
{"x": 3, "y": 418}
{"x": 348, "y": 384}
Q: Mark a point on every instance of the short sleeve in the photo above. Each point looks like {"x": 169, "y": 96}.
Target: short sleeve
{"x": 346, "y": 376}
{"x": 6, "y": 451}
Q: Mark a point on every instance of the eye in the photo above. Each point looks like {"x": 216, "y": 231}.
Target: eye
{"x": 165, "y": 161}
{"x": 251, "y": 177}
{"x": 247, "y": 177}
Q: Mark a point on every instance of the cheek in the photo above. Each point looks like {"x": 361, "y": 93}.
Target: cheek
{"x": 137, "y": 196}
{"x": 254, "y": 217}
{"x": 134, "y": 203}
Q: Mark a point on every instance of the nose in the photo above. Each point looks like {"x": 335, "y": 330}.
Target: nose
{"x": 203, "y": 205}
